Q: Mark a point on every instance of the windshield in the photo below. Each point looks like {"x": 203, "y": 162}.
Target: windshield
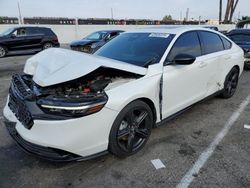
{"x": 140, "y": 49}
{"x": 7, "y": 32}
{"x": 97, "y": 35}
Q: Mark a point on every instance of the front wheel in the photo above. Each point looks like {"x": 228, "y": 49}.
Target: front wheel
{"x": 231, "y": 83}
{"x": 3, "y": 51}
{"x": 47, "y": 45}
{"x": 131, "y": 129}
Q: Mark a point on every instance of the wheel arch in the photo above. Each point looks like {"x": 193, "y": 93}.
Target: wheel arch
{"x": 151, "y": 104}
{"x": 237, "y": 67}
{"x": 5, "y": 46}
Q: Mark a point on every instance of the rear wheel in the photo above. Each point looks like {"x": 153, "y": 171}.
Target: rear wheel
{"x": 131, "y": 129}
{"x": 47, "y": 45}
{"x": 3, "y": 51}
{"x": 231, "y": 83}
{"x": 247, "y": 65}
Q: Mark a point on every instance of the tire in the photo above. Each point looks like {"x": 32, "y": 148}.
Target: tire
{"x": 47, "y": 45}
{"x": 131, "y": 129}
{"x": 231, "y": 83}
{"x": 247, "y": 65}
{"x": 3, "y": 51}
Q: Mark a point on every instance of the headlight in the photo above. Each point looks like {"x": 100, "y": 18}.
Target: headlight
{"x": 72, "y": 108}
{"x": 94, "y": 45}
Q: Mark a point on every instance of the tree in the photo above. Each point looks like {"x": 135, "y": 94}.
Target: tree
{"x": 167, "y": 18}
{"x": 245, "y": 18}
{"x": 231, "y": 6}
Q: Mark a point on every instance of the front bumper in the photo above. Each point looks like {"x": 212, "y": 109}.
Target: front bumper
{"x": 40, "y": 151}
{"x": 85, "y": 49}
{"x": 64, "y": 140}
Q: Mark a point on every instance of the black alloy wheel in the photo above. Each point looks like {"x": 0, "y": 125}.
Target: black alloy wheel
{"x": 231, "y": 83}
{"x": 3, "y": 51}
{"x": 47, "y": 45}
{"x": 131, "y": 129}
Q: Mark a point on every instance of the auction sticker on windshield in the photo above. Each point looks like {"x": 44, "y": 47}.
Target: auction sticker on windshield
{"x": 159, "y": 35}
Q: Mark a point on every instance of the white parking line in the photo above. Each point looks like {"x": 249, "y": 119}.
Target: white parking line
{"x": 247, "y": 126}
{"x": 6, "y": 79}
{"x": 188, "y": 178}
{"x": 158, "y": 164}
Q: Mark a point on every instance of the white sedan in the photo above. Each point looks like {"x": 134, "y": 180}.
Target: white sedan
{"x": 73, "y": 106}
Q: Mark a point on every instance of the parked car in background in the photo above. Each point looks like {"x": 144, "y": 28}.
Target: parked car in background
{"x": 94, "y": 41}
{"x": 242, "y": 38}
{"x": 27, "y": 38}
{"x": 74, "y": 106}
{"x": 212, "y": 27}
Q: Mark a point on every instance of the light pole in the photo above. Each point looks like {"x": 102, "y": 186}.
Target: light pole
{"x": 112, "y": 14}
{"x": 19, "y": 11}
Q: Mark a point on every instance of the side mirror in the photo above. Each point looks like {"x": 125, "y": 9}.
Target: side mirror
{"x": 13, "y": 35}
{"x": 184, "y": 59}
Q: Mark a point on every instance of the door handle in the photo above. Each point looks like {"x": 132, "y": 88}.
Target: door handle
{"x": 202, "y": 64}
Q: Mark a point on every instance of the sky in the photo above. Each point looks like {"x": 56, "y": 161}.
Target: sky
{"x": 122, "y": 9}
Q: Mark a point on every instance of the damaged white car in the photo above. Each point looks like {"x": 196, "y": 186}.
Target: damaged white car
{"x": 73, "y": 106}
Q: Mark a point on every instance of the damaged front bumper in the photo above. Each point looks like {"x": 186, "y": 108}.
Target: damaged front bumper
{"x": 40, "y": 151}
{"x": 67, "y": 140}
{"x": 51, "y": 136}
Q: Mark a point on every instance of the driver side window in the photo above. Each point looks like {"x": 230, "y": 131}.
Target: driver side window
{"x": 21, "y": 32}
{"x": 112, "y": 35}
{"x": 188, "y": 43}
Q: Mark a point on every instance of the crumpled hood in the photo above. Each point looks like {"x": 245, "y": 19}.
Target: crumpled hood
{"x": 56, "y": 65}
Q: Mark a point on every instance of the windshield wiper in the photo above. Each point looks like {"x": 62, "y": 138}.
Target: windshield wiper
{"x": 150, "y": 61}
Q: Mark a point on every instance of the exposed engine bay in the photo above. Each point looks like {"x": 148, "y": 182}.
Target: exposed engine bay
{"x": 75, "y": 98}
{"x": 88, "y": 85}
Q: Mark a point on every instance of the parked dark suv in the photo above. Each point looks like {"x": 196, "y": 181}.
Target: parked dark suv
{"x": 27, "y": 38}
{"x": 242, "y": 38}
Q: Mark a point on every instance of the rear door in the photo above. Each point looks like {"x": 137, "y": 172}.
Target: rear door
{"x": 213, "y": 56}
{"x": 34, "y": 37}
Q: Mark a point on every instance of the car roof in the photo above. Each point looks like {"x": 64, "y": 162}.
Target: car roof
{"x": 109, "y": 31}
{"x": 17, "y": 27}
{"x": 171, "y": 29}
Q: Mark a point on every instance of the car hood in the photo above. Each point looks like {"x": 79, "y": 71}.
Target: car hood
{"x": 55, "y": 65}
{"x": 2, "y": 37}
{"x": 82, "y": 42}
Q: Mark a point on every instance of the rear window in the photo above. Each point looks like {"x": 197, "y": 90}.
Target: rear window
{"x": 240, "y": 37}
{"x": 227, "y": 44}
{"x": 31, "y": 30}
{"x": 211, "y": 42}
{"x": 45, "y": 31}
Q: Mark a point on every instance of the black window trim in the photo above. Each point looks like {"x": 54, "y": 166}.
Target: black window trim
{"x": 192, "y": 31}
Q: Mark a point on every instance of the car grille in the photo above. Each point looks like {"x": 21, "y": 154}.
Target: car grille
{"x": 86, "y": 49}
{"x": 17, "y": 105}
